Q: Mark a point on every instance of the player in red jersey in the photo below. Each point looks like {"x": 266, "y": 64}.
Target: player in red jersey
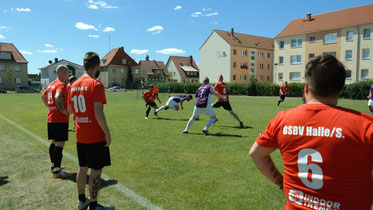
{"x": 55, "y": 98}
{"x": 155, "y": 90}
{"x": 86, "y": 101}
{"x": 327, "y": 150}
{"x": 222, "y": 89}
{"x": 283, "y": 90}
{"x": 149, "y": 97}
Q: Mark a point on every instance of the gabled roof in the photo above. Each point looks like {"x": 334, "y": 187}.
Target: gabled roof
{"x": 150, "y": 66}
{"x": 246, "y": 40}
{"x": 185, "y": 61}
{"x": 16, "y": 55}
{"x": 60, "y": 62}
{"x": 332, "y": 20}
{"x": 115, "y": 56}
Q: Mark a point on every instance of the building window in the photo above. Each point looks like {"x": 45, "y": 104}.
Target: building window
{"x": 260, "y": 78}
{"x": 294, "y": 76}
{"x": 330, "y": 53}
{"x": 252, "y": 64}
{"x": 234, "y": 77}
{"x": 113, "y": 71}
{"x": 252, "y": 52}
{"x": 4, "y": 56}
{"x": 349, "y": 36}
{"x": 2, "y": 68}
{"x": 295, "y": 59}
{"x": 268, "y": 66}
{"x": 366, "y": 53}
{"x": 348, "y": 74}
{"x": 243, "y": 77}
{"x": 310, "y": 56}
{"x": 17, "y": 80}
{"x": 234, "y": 64}
{"x": 260, "y": 54}
{"x": 282, "y": 44}
{"x": 244, "y": 53}
{"x": 330, "y": 38}
{"x": 252, "y": 70}
{"x": 312, "y": 39}
{"x": 281, "y": 60}
{"x": 253, "y": 58}
{"x": 124, "y": 61}
{"x": 122, "y": 71}
{"x": 296, "y": 43}
{"x": 70, "y": 72}
{"x": 366, "y": 34}
{"x": 269, "y": 55}
{"x": 348, "y": 55}
{"x": 181, "y": 64}
{"x": 364, "y": 73}
{"x": 136, "y": 71}
{"x": 267, "y": 78}
{"x": 113, "y": 80}
{"x": 280, "y": 76}
{"x": 234, "y": 52}
{"x": 16, "y": 68}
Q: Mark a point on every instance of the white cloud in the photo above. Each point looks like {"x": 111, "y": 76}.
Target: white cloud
{"x": 108, "y": 29}
{"x": 214, "y": 23}
{"x": 59, "y": 49}
{"x": 25, "y": 52}
{"x": 48, "y": 45}
{"x": 102, "y": 4}
{"x": 4, "y": 28}
{"x": 94, "y": 36}
{"x": 138, "y": 52}
{"x": 206, "y": 9}
{"x": 92, "y": 6}
{"x": 156, "y": 29}
{"x": 23, "y": 9}
{"x": 84, "y": 26}
{"x": 212, "y": 14}
{"x": 196, "y": 14}
{"x": 48, "y": 51}
{"x": 169, "y": 51}
{"x": 178, "y": 7}
{"x": 2, "y": 37}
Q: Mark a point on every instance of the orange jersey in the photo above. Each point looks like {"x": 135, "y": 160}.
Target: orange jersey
{"x": 284, "y": 89}
{"x": 54, "y": 114}
{"x": 327, "y": 153}
{"x": 222, "y": 89}
{"x": 149, "y": 96}
{"x": 83, "y": 93}
{"x": 155, "y": 91}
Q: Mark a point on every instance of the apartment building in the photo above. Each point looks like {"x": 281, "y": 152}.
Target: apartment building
{"x": 238, "y": 57}
{"x": 346, "y": 34}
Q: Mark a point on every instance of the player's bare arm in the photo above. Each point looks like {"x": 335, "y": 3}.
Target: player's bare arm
{"x": 181, "y": 104}
{"x": 59, "y": 103}
{"x": 69, "y": 109}
{"x": 263, "y": 161}
{"x": 101, "y": 120}
{"x": 220, "y": 96}
{"x": 44, "y": 98}
{"x": 370, "y": 94}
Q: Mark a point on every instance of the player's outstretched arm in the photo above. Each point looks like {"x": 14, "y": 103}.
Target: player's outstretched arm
{"x": 370, "y": 94}
{"x": 181, "y": 104}
{"x": 263, "y": 161}
{"x": 100, "y": 117}
{"x": 59, "y": 103}
{"x": 218, "y": 95}
{"x": 44, "y": 98}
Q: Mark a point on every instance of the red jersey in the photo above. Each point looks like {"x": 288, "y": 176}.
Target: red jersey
{"x": 327, "y": 153}
{"x": 284, "y": 89}
{"x": 222, "y": 89}
{"x": 83, "y": 93}
{"x": 54, "y": 114}
{"x": 149, "y": 96}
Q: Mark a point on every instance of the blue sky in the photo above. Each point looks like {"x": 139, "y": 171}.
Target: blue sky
{"x": 66, "y": 29}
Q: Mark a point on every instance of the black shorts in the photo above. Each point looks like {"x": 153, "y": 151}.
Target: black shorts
{"x": 151, "y": 104}
{"x": 226, "y": 105}
{"x": 58, "y": 131}
{"x": 95, "y": 156}
{"x": 282, "y": 97}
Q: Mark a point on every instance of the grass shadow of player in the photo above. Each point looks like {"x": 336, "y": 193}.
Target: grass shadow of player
{"x": 166, "y": 118}
{"x": 244, "y": 127}
{"x": 3, "y": 180}
{"x": 104, "y": 183}
{"x": 218, "y": 135}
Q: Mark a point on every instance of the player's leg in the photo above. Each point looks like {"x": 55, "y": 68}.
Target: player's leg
{"x": 196, "y": 113}
{"x": 81, "y": 175}
{"x": 52, "y": 145}
{"x": 155, "y": 107}
{"x": 94, "y": 186}
{"x": 211, "y": 113}
{"x": 148, "y": 108}
{"x": 165, "y": 107}
{"x": 61, "y": 136}
{"x": 281, "y": 99}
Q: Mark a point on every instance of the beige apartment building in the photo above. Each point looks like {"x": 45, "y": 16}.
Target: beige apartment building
{"x": 236, "y": 56}
{"x": 346, "y": 34}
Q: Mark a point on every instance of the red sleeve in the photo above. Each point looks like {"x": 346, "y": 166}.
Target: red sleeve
{"x": 45, "y": 92}
{"x": 369, "y": 140}
{"x": 267, "y": 138}
{"x": 99, "y": 93}
{"x": 216, "y": 85}
{"x": 60, "y": 89}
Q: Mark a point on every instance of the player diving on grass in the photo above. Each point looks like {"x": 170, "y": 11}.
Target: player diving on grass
{"x": 149, "y": 100}
{"x": 173, "y": 102}
{"x": 203, "y": 105}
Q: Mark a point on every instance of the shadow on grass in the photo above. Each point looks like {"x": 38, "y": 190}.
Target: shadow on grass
{"x": 244, "y": 127}
{"x": 218, "y": 135}
{"x": 3, "y": 180}
{"x": 166, "y": 118}
{"x": 104, "y": 183}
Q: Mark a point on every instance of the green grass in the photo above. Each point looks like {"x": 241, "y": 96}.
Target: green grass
{"x": 151, "y": 157}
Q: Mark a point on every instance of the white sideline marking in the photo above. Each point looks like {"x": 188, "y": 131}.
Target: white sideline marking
{"x": 126, "y": 191}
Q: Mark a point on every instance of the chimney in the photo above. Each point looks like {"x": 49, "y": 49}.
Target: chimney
{"x": 147, "y": 57}
{"x": 232, "y": 31}
{"x": 191, "y": 60}
{"x": 56, "y": 60}
{"x": 50, "y": 61}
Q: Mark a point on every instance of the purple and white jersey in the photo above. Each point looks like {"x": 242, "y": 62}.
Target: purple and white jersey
{"x": 371, "y": 92}
{"x": 203, "y": 96}
{"x": 178, "y": 98}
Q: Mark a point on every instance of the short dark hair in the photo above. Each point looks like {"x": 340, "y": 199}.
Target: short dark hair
{"x": 206, "y": 80}
{"x": 72, "y": 78}
{"x": 91, "y": 60}
{"x": 325, "y": 76}
{"x": 190, "y": 96}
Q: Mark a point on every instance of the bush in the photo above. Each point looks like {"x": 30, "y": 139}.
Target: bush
{"x": 359, "y": 90}
{"x": 296, "y": 89}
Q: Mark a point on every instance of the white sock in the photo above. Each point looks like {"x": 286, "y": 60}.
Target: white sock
{"x": 209, "y": 123}
{"x": 190, "y": 122}
{"x": 157, "y": 110}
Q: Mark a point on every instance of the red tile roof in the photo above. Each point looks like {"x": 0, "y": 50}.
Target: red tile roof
{"x": 115, "y": 56}
{"x": 149, "y": 66}
{"x": 16, "y": 55}
{"x": 184, "y": 61}
{"x": 332, "y": 20}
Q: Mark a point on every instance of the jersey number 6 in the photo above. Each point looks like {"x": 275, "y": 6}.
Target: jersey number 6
{"x": 316, "y": 172}
{"x": 79, "y": 100}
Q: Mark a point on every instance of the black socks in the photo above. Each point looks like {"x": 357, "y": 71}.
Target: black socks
{"x": 57, "y": 156}
{"x": 51, "y": 150}
{"x": 82, "y": 197}
{"x": 148, "y": 110}
{"x": 92, "y": 204}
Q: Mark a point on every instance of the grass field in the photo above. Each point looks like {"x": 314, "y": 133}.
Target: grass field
{"x": 151, "y": 157}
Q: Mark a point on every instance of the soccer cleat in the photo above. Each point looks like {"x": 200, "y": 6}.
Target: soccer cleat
{"x": 146, "y": 118}
{"x": 62, "y": 167}
{"x": 216, "y": 121}
{"x": 98, "y": 207}
{"x": 185, "y": 131}
{"x": 205, "y": 132}
{"x": 83, "y": 205}
{"x": 241, "y": 124}
{"x": 61, "y": 174}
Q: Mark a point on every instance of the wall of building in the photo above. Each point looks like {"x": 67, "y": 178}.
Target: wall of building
{"x": 18, "y": 77}
{"x": 349, "y": 45}
{"x": 174, "y": 73}
{"x": 366, "y": 64}
{"x": 264, "y": 74}
{"x": 240, "y": 59}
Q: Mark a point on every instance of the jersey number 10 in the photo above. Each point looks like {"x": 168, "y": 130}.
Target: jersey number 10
{"x": 79, "y": 101}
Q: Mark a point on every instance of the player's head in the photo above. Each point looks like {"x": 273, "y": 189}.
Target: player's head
{"x": 325, "y": 76}
{"x": 72, "y": 79}
{"x": 92, "y": 63}
{"x": 189, "y": 97}
{"x": 286, "y": 83}
{"x": 220, "y": 78}
{"x": 151, "y": 87}
{"x": 206, "y": 80}
{"x": 62, "y": 73}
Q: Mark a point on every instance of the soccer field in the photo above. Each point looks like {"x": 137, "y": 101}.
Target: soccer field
{"x": 151, "y": 157}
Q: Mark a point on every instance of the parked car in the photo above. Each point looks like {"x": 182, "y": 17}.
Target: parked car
{"x": 117, "y": 89}
{"x": 26, "y": 89}
{"x": 3, "y": 91}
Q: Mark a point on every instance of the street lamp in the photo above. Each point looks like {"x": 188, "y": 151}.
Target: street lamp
{"x": 275, "y": 72}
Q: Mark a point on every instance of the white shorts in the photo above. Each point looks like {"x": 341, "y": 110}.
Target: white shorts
{"x": 171, "y": 103}
{"x": 209, "y": 111}
{"x": 370, "y": 102}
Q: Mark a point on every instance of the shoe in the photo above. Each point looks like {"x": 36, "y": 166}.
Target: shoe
{"x": 241, "y": 124}
{"x": 216, "y": 121}
{"x": 61, "y": 174}
{"x": 52, "y": 168}
{"x": 205, "y": 132}
{"x": 146, "y": 118}
{"x": 83, "y": 205}
{"x": 185, "y": 131}
{"x": 98, "y": 207}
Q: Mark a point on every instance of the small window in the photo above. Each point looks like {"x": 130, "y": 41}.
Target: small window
{"x": 330, "y": 38}
{"x": 295, "y": 59}
{"x": 281, "y": 60}
{"x": 136, "y": 71}
{"x": 310, "y": 56}
{"x": 296, "y": 43}
{"x": 349, "y": 36}
{"x": 70, "y": 72}
{"x": 253, "y": 58}
{"x": 18, "y": 80}
{"x": 268, "y": 66}
{"x": 312, "y": 39}
{"x": 366, "y": 53}
{"x": 234, "y": 64}
{"x": 181, "y": 64}
{"x": 269, "y": 55}
{"x": 364, "y": 73}
{"x": 4, "y": 56}
{"x": 282, "y": 44}
{"x": 348, "y": 74}
{"x": 260, "y": 54}
{"x": 234, "y": 77}
{"x": 280, "y": 76}
{"x": 252, "y": 64}
{"x": 252, "y": 52}
{"x": 124, "y": 61}
{"x": 366, "y": 34}
{"x": 16, "y": 68}
{"x": 243, "y": 77}
{"x": 252, "y": 70}
{"x": 244, "y": 53}
{"x": 348, "y": 55}
{"x": 113, "y": 80}
{"x": 113, "y": 71}
{"x": 294, "y": 76}
{"x": 267, "y": 78}
{"x": 2, "y": 68}
{"x": 234, "y": 52}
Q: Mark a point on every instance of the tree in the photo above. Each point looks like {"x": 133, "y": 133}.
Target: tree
{"x": 128, "y": 78}
{"x": 9, "y": 74}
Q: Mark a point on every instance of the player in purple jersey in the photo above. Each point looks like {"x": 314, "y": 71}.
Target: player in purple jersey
{"x": 173, "y": 102}
{"x": 203, "y": 105}
{"x": 370, "y": 97}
